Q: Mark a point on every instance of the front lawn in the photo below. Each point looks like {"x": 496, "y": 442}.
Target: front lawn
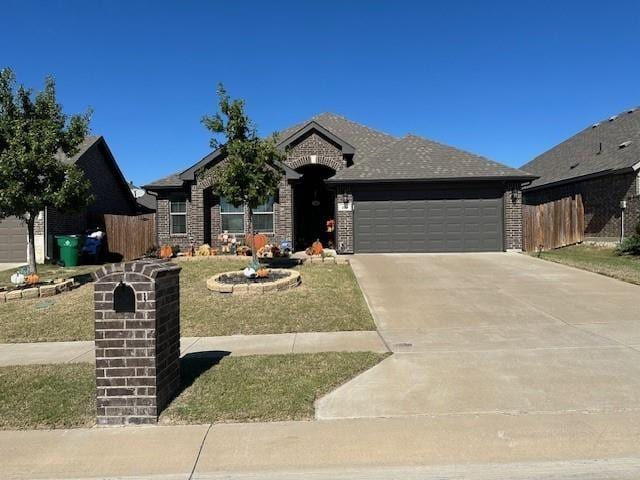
{"x": 47, "y": 396}
{"x": 237, "y": 389}
{"x": 328, "y": 300}
{"x": 601, "y": 260}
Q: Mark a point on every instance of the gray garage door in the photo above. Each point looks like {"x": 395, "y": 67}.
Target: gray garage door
{"x": 429, "y": 219}
{"x": 13, "y": 240}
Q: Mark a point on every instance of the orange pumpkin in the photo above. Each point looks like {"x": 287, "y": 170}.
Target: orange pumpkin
{"x": 262, "y": 273}
{"x": 316, "y": 248}
{"x": 257, "y": 241}
{"x": 32, "y": 278}
{"x": 166, "y": 251}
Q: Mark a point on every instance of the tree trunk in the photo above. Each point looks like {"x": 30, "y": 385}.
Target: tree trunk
{"x": 31, "y": 248}
{"x": 254, "y": 253}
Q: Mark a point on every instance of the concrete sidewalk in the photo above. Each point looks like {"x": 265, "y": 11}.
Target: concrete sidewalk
{"x": 308, "y": 342}
{"x": 491, "y": 446}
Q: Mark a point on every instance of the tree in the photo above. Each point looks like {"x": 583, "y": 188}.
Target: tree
{"x": 33, "y": 133}
{"x": 250, "y": 172}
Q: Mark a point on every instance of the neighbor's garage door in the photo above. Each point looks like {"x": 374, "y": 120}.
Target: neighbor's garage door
{"x": 13, "y": 240}
{"x": 429, "y": 219}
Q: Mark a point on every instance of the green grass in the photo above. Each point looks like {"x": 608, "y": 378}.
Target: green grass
{"x": 597, "y": 259}
{"x": 266, "y": 388}
{"x": 47, "y": 396}
{"x": 328, "y": 300}
{"x": 51, "y": 272}
{"x": 237, "y": 389}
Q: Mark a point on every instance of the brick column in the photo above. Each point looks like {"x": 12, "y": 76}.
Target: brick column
{"x": 137, "y": 338}
{"x": 195, "y": 216}
{"x": 284, "y": 214}
{"x": 344, "y": 221}
{"x": 513, "y": 217}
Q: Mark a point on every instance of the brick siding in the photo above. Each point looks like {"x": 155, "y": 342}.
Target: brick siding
{"x": 601, "y": 198}
{"x": 137, "y": 353}
{"x": 344, "y": 221}
{"x": 513, "y": 217}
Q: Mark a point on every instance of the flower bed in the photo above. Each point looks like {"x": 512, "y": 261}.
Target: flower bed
{"x": 235, "y": 283}
{"x": 36, "y": 291}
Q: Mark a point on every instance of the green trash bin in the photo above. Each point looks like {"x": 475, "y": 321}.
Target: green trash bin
{"x": 69, "y": 246}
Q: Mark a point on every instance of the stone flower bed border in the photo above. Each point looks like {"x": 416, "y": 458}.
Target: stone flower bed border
{"x": 40, "y": 291}
{"x": 291, "y": 281}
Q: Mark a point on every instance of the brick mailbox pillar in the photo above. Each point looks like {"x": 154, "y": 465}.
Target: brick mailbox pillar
{"x": 137, "y": 320}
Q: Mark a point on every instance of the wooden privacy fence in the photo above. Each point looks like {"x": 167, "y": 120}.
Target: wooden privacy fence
{"x": 130, "y": 236}
{"x": 553, "y": 224}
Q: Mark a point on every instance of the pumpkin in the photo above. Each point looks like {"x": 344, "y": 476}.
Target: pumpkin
{"x": 32, "y": 278}
{"x": 257, "y": 241}
{"x": 166, "y": 251}
{"x": 262, "y": 273}
{"x": 316, "y": 248}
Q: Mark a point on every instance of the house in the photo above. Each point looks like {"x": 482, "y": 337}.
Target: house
{"x": 145, "y": 202}
{"x": 385, "y": 194}
{"x": 602, "y": 164}
{"x": 108, "y": 186}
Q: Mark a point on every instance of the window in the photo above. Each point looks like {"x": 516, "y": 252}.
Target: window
{"x": 178, "y": 217}
{"x": 232, "y": 217}
{"x": 263, "y": 217}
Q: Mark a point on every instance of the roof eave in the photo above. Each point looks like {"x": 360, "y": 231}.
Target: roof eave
{"x": 155, "y": 188}
{"x": 520, "y": 178}
{"x": 190, "y": 173}
{"x": 581, "y": 178}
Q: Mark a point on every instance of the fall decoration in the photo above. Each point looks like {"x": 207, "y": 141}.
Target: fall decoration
{"x": 262, "y": 273}
{"x": 203, "y": 250}
{"x": 316, "y": 248}
{"x": 331, "y": 225}
{"x": 257, "y": 241}
{"x": 166, "y": 251}
{"x": 32, "y": 278}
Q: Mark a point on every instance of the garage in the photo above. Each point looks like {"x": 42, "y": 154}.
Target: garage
{"x": 13, "y": 240}
{"x": 429, "y": 218}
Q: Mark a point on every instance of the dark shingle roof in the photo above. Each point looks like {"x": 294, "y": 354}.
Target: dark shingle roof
{"x": 580, "y": 155}
{"x": 85, "y": 145}
{"x": 416, "y": 158}
{"x": 147, "y": 201}
{"x": 172, "y": 180}
{"x": 382, "y": 157}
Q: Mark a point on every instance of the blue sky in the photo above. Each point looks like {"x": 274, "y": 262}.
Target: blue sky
{"x": 506, "y": 79}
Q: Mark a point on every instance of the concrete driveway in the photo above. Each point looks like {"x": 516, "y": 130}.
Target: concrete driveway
{"x": 495, "y": 334}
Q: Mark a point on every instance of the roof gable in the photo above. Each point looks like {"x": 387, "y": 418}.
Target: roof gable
{"x": 313, "y": 126}
{"x": 607, "y": 146}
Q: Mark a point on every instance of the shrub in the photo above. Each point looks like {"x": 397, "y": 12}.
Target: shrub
{"x": 630, "y": 246}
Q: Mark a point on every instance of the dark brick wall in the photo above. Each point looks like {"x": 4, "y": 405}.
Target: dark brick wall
{"x": 601, "y": 198}
{"x": 111, "y": 196}
{"x": 344, "y": 221}
{"x": 138, "y": 353}
{"x": 325, "y": 152}
{"x": 162, "y": 220}
{"x": 513, "y": 217}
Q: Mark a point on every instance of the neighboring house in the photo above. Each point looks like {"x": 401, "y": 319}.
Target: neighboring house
{"x": 146, "y": 203}
{"x": 601, "y": 163}
{"x": 108, "y": 186}
{"x": 385, "y": 194}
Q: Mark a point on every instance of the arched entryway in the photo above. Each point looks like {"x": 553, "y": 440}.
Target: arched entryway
{"x": 314, "y": 206}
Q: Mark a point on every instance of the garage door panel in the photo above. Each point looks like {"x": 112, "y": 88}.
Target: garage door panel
{"x": 13, "y": 240}
{"x": 428, "y": 220}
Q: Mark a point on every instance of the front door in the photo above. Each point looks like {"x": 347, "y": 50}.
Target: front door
{"x": 314, "y": 206}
